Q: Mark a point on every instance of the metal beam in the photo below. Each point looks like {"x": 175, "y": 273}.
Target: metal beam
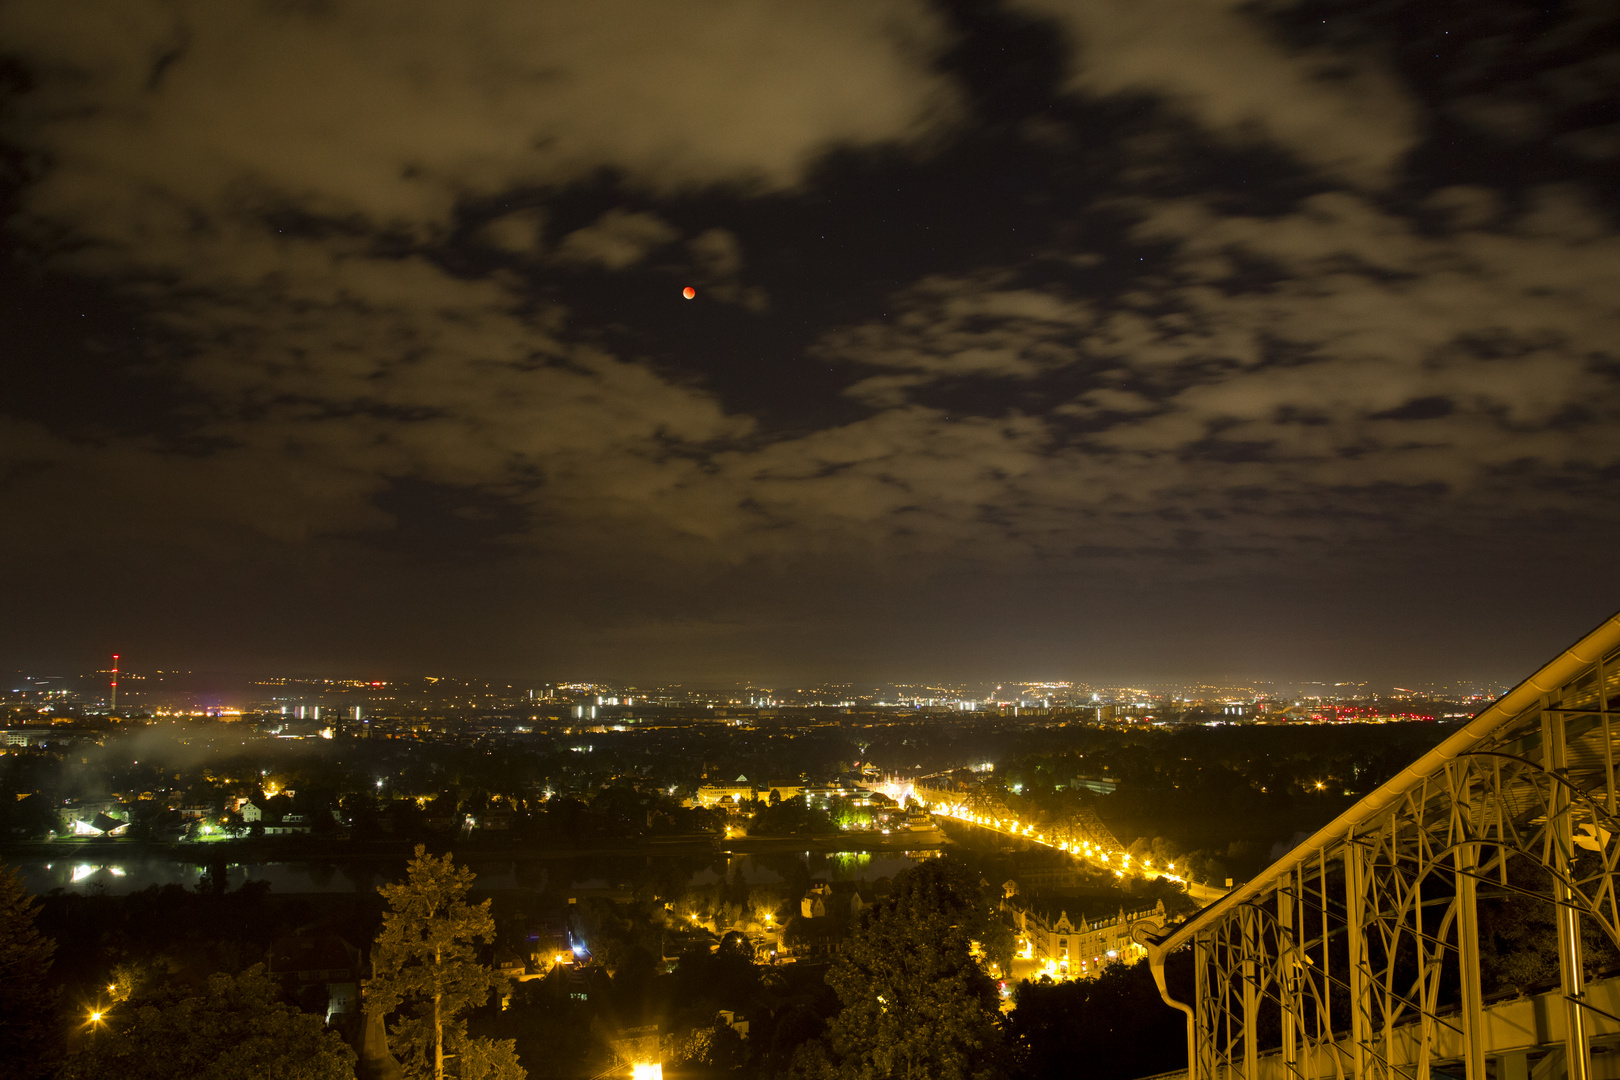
{"x": 1464, "y": 857}
{"x": 1561, "y": 843}
{"x": 1355, "y": 902}
{"x": 1584, "y": 653}
{"x": 1288, "y": 973}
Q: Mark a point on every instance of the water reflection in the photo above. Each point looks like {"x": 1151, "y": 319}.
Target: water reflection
{"x": 638, "y": 874}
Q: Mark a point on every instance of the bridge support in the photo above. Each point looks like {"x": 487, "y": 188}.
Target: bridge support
{"x": 1465, "y": 858}
{"x": 1289, "y": 972}
{"x": 1560, "y": 843}
{"x": 1249, "y": 971}
{"x": 1355, "y": 948}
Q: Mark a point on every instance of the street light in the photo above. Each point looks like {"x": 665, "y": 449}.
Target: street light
{"x": 653, "y": 1071}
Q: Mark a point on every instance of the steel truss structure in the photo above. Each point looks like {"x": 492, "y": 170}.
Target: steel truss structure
{"x": 1357, "y": 954}
{"x": 1083, "y": 826}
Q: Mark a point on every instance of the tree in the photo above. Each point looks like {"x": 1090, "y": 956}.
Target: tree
{"x": 790, "y": 817}
{"x": 715, "y": 1045}
{"x": 491, "y": 1059}
{"x": 1116, "y": 1023}
{"x": 916, "y": 1004}
{"x": 237, "y": 1029}
{"x": 797, "y": 1025}
{"x": 25, "y": 999}
{"x": 426, "y": 966}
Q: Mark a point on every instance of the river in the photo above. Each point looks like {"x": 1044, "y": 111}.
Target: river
{"x": 119, "y": 874}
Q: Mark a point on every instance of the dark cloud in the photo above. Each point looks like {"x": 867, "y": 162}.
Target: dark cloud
{"x": 1011, "y": 320}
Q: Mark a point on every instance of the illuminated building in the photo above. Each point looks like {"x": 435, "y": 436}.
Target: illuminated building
{"x": 97, "y": 817}
{"x": 1067, "y": 949}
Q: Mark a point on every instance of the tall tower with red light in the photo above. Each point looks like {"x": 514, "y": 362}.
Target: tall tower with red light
{"x": 113, "y": 706}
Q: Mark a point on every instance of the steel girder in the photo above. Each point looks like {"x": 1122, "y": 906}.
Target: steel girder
{"x": 1357, "y": 955}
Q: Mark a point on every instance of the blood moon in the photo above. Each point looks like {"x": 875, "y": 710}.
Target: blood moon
{"x": 689, "y": 292}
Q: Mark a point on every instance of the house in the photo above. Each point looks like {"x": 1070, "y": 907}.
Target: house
{"x": 549, "y": 945}
{"x": 813, "y": 905}
{"x": 812, "y": 938}
{"x": 495, "y": 820}
{"x": 509, "y": 963}
{"x": 289, "y": 825}
{"x": 677, "y": 943}
{"x": 308, "y": 964}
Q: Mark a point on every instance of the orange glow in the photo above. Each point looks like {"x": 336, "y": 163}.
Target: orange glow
{"x": 689, "y": 292}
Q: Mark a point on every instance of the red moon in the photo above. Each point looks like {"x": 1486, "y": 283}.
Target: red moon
{"x": 689, "y": 292}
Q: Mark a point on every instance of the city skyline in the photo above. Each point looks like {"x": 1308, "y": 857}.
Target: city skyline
{"x": 195, "y": 693}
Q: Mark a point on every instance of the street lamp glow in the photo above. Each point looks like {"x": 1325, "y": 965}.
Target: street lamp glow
{"x": 654, "y": 1071}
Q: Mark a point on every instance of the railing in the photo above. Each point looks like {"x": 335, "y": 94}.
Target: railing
{"x": 1357, "y": 954}
{"x": 1524, "y": 1035}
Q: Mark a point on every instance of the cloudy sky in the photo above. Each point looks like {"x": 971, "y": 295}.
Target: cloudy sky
{"x": 1082, "y": 338}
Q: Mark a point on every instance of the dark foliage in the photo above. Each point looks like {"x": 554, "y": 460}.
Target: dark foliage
{"x": 1110, "y": 1028}
{"x": 236, "y": 1029}
{"x": 915, "y": 1001}
{"x": 791, "y": 817}
{"x": 27, "y": 999}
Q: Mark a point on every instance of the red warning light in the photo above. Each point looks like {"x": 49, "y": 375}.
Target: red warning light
{"x": 689, "y": 292}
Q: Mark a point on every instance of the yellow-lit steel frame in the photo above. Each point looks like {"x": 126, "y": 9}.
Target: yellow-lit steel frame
{"x": 1335, "y": 961}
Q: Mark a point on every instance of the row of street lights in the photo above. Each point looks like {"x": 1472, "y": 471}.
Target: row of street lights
{"x": 1083, "y": 849}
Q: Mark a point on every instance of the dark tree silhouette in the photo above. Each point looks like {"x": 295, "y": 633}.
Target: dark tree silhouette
{"x": 1115, "y": 1024}
{"x": 26, "y": 1001}
{"x": 238, "y": 1029}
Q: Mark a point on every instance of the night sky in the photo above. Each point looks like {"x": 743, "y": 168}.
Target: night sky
{"x": 1047, "y": 338}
